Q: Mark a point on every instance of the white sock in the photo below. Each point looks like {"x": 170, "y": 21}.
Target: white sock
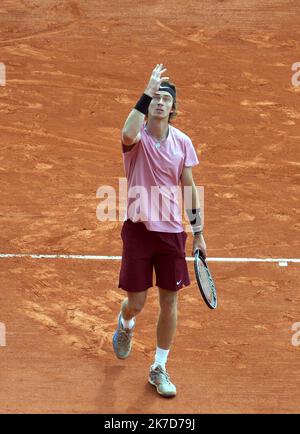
{"x": 127, "y": 324}
{"x": 161, "y": 357}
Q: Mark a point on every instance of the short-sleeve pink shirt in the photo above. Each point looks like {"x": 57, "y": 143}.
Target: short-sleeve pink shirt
{"x": 153, "y": 172}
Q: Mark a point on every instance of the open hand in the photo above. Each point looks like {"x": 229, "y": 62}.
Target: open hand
{"x": 156, "y": 80}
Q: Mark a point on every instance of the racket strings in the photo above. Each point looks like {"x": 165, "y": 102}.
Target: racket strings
{"x": 206, "y": 281}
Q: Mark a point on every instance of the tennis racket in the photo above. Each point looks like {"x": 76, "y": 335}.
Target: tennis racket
{"x": 205, "y": 281}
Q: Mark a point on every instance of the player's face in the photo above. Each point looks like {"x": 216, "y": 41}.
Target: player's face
{"x": 161, "y": 105}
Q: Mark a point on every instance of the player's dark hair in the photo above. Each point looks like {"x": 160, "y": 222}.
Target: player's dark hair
{"x": 174, "y": 106}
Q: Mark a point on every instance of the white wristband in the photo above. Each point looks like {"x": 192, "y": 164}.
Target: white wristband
{"x": 197, "y": 229}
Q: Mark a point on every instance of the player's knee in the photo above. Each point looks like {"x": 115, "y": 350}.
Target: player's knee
{"x": 168, "y": 304}
{"x": 136, "y": 304}
{"x": 135, "y": 308}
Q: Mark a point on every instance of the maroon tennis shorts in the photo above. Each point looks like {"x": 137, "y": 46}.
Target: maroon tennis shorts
{"x": 143, "y": 250}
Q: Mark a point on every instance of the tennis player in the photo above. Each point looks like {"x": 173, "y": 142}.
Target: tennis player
{"x": 156, "y": 155}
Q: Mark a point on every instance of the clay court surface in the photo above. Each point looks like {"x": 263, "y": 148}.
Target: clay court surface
{"x": 74, "y": 71}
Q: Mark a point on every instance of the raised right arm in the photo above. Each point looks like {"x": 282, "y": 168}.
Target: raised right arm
{"x": 134, "y": 122}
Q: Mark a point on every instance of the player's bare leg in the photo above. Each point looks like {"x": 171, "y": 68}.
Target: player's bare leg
{"x": 167, "y": 320}
{"x": 133, "y": 304}
{"x": 122, "y": 338}
{"x": 166, "y": 328}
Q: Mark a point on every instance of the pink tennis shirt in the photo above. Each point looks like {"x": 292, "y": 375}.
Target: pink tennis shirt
{"x": 153, "y": 172}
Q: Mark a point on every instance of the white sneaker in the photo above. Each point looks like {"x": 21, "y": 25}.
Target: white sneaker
{"x": 159, "y": 378}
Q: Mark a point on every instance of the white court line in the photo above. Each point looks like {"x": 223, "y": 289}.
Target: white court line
{"x": 118, "y": 258}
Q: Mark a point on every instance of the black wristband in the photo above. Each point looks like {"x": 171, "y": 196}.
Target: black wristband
{"x": 143, "y": 104}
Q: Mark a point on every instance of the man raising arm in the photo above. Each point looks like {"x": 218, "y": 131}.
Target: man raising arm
{"x": 134, "y": 122}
